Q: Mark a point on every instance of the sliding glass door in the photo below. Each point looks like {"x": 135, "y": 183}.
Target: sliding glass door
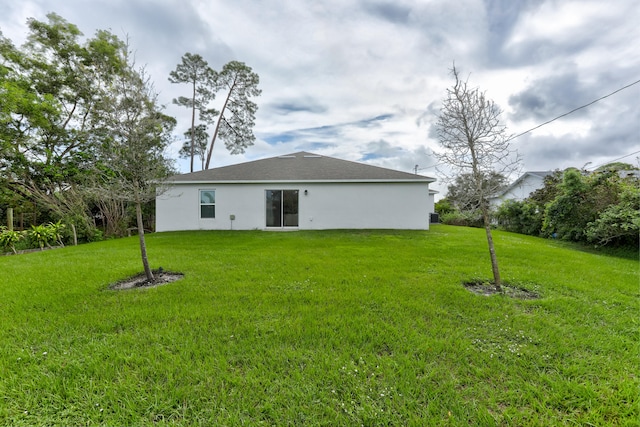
{"x": 282, "y": 208}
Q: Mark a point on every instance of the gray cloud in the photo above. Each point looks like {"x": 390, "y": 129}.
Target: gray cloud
{"x": 296, "y": 106}
{"x": 549, "y": 97}
{"x": 389, "y": 11}
{"x": 364, "y": 79}
{"x": 381, "y": 149}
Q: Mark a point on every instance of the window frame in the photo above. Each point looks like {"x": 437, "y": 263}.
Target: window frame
{"x": 201, "y": 203}
{"x": 282, "y": 207}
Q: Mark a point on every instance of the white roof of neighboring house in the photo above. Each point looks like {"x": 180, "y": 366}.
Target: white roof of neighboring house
{"x": 300, "y": 166}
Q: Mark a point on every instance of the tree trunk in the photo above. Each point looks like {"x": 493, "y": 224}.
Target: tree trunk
{"x": 10, "y": 219}
{"x": 215, "y": 132}
{"x": 75, "y": 234}
{"x": 143, "y": 245}
{"x": 193, "y": 123}
{"x": 492, "y": 250}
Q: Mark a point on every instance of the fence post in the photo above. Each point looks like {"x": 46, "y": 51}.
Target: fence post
{"x": 10, "y": 218}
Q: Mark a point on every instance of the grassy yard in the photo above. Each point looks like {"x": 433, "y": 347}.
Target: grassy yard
{"x": 333, "y": 328}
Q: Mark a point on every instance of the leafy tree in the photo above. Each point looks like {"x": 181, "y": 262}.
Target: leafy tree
{"x": 237, "y": 116}
{"x": 52, "y": 86}
{"x": 464, "y": 192}
{"x": 443, "y": 206}
{"x": 618, "y": 224}
{"x": 473, "y": 141}
{"x": 195, "y": 71}
{"x": 520, "y": 216}
{"x": 549, "y": 191}
{"x": 599, "y": 207}
{"x": 196, "y": 147}
{"x": 616, "y": 166}
{"x": 135, "y": 134}
{"x": 593, "y": 208}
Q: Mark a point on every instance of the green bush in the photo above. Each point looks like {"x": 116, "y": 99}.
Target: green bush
{"x": 41, "y": 235}
{"x": 465, "y": 219}
{"x": 601, "y": 208}
{"x": 56, "y": 231}
{"x": 619, "y": 224}
{"x": 524, "y": 217}
{"x": 9, "y": 238}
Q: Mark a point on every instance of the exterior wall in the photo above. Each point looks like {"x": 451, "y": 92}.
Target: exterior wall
{"x": 431, "y": 203}
{"x": 325, "y": 206}
{"x": 521, "y": 191}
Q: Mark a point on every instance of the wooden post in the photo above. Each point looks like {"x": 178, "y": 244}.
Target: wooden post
{"x": 10, "y": 219}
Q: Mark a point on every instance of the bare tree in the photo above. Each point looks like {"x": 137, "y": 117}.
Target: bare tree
{"x": 476, "y": 143}
{"x": 136, "y": 134}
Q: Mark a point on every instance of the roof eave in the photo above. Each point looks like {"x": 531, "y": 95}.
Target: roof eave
{"x": 303, "y": 181}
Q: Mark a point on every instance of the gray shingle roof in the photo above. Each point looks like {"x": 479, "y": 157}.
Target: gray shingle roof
{"x": 301, "y": 166}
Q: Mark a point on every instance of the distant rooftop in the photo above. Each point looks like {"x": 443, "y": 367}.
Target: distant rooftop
{"x": 300, "y": 166}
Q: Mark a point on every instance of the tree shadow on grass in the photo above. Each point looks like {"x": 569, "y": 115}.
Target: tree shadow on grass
{"x": 509, "y": 289}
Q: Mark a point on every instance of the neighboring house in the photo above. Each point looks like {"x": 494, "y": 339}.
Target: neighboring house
{"x": 433, "y": 218}
{"x": 521, "y": 188}
{"x": 297, "y": 191}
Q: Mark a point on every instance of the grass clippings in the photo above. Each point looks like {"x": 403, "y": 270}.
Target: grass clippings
{"x": 488, "y": 288}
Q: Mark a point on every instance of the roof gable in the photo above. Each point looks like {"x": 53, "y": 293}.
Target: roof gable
{"x": 300, "y": 166}
{"x": 541, "y": 175}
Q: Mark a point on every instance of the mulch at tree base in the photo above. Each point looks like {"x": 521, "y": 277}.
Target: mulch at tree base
{"x": 140, "y": 280}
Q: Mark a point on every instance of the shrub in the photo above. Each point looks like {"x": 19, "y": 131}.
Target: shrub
{"x": 618, "y": 224}
{"x": 9, "y": 238}
{"x": 55, "y": 231}
{"x": 465, "y": 219}
{"x": 42, "y": 235}
{"x": 524, "y": 217}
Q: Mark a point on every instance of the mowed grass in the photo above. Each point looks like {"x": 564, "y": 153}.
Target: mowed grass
{"x": 334, "y": 328}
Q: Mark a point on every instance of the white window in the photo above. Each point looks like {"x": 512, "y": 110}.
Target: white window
{"x": 207, "y": 203}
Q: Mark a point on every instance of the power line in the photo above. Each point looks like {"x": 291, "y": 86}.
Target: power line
{"x": 615, "y": 160}
{"x": 417, "y": 168}
{"x": 573, "y": 111}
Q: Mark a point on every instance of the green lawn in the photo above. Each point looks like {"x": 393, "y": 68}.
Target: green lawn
{"x": 334, "y": 328}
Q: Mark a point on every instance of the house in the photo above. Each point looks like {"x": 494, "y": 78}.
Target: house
{"x": 521, "y": 188}
{"x": 300, "y": 191}
{"x": 433, "y": 217}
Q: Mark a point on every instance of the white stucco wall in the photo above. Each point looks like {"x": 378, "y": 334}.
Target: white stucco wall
{"x": 521, "y": 190}
{"x": 431, "y": 203}
{"x": 325, "y": 206}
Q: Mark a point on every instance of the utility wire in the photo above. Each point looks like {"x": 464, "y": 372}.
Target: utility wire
{"x": 615, "y": 160}
{"x": 416, "y": 169}
{"x": 573, "y": 111}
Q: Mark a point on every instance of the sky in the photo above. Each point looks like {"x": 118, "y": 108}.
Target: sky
{"x": 364, "y": 80}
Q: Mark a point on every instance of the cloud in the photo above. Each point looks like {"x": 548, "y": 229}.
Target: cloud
{"x": 289, "y": 106}
{"x": 364, "y": 79}
{"x": 549, "y": 97}
{"x": 389, "y": 11}
{"x": 381, "y": 149}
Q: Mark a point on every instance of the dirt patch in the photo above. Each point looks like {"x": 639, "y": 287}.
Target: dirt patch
{"x": 140, "y": 280}
{"x": 486, "y": 288}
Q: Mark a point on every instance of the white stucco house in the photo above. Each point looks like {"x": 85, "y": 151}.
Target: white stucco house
{"x": 299, "y": 191}
{"x": 521, "y": 188}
